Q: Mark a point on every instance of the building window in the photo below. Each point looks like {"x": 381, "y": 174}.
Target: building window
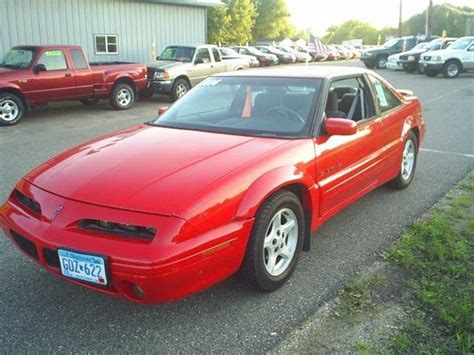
{"x": 106, "y": 44}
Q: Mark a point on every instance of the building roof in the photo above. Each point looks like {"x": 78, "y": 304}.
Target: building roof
{"x": 199, "y": 3}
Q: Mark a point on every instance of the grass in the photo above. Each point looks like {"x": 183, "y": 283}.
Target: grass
{"x": 437, "y": 255}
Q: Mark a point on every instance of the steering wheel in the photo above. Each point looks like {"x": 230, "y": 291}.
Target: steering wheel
{"x": 290, "y": 114}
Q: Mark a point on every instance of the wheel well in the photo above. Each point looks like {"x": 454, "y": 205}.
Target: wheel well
{"x": 454, "y": 60}
{"x": 303, "y": 194}
{"x": 184, "y": 77}
{"x": 416, "y": 131}
{"x": 17, "y": 93}
{"x": 126, "y": 81}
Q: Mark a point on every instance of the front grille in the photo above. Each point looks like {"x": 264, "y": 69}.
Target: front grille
{"x": 150, "y": 73}
{"x": 28, "y": 202}
{"x": 51, "y": 257}
{"x": 403, "y": 57}
{"x": 24, "y": 244}
{"x": 427, "y": 57}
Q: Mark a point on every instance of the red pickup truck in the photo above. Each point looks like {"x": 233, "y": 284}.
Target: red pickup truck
{"x": 31, "y": 75}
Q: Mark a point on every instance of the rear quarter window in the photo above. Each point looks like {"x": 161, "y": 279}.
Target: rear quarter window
{"x": 78, "y": 59}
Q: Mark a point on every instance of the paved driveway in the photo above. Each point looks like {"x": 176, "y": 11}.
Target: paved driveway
{"x": 40, "y": 313}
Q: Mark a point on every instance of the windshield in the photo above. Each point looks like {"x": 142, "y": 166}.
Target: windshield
{"x": 228, "y": 51}
{"x": 391, "y": 42}
{"x": 179, "y": 54}
{"x": 18, "y": 58}
{"x": 254, "y": 51}
{"x": 421, "y": 46}
{"x": 246, "y": 105}
{"x": 461, "y": 43}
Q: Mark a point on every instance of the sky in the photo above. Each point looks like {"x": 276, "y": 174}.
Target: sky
{"x": 320, "y": 14}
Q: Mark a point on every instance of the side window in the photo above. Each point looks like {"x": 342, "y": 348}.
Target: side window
{"x": 78, "y": 59}
{"x": 349, "y": 98}
{"x": 203, "y": 55}
{"x": 216, "y": 55}
{"x": 384, "y": 97}
{"x": 53, "y": 60}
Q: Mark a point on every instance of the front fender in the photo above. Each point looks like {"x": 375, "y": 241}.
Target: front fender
{"x": 8, "y": 85}
{"x": 273, "y": 181}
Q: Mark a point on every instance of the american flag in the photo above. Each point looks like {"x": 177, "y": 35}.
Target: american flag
{"x": 316, "y": 45}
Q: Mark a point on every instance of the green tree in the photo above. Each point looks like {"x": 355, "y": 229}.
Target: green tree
{"x": 242, "y": 20}
{"x": 273, "y": 20}
{"x": 352, "y": 29}
{"x": 218, "y": 22}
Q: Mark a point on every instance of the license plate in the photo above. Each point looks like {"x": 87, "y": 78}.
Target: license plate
{"x": 84, "y": 267}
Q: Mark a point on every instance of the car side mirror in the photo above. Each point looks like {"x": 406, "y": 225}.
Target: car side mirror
{"x": 198, "y": 61}
{"x": 39, "y": 68}
{"x": 162, "y": 110}
{"x": 340, "y": 127}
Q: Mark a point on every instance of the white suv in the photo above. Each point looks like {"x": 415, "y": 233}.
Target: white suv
{"x": 457, "y": 58}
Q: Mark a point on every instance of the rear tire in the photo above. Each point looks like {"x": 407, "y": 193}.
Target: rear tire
{"x": 452, "y": 69}
{"x": 12, "y": 109}
{"x": 89, "y": 102}
{"x": 122, "y": 96}
{"x": 275, "y": 242}
{"x": 180, "y": 88}
{"x": 407, "y": 164}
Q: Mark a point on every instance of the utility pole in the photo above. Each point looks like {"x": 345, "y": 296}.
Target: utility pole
{"x": 429, "y": 19}
{"x": 400, "y": 20}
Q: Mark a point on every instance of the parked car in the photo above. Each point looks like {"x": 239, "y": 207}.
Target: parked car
{"x": 377, "y": 57}
{"x": 410, "y": 60}
{"x": 458, "y": 58}
{"x": 32, "y": 75}
{"x": 393, "y": 63}
{"x": 233, "y": 178}
{"x": 315, "y": 55}
{"x": 228, "y": 53}
{"x": 285, "y": 58}
{"x": 264, "y": 58}
{"x": 344, "y": 52}
{"x": 179, "y": 68}
{"x": 300, "y": 56}
{"x": 332, "y": 53}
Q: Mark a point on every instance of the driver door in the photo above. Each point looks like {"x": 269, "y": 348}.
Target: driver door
{"x": 57, "y": 82}
{"x": 202, "y": 66}
{"x": 347, "y": 167}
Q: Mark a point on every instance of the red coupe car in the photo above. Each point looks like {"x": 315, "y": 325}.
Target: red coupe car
{"x": 235, "y": 176}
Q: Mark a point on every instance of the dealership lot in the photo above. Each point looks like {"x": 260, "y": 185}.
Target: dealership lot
{"x": 39, "y": 312}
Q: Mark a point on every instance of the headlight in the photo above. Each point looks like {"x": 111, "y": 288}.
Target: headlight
{"x": 119, "y": 229}
{"x": 411, "y": 58}
{"x": 161, "y": 75}
{"x": 437, "y": 58}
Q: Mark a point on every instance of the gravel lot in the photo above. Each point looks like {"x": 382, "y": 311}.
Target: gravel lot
{"x": 43, "y": 314}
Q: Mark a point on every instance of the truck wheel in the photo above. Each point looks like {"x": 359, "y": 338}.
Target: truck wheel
{"x": 451, "y": 69}
{"x": 381, "y": 62}
{"x": 90, "y": 101}
{"x": 369, "y": 65}
{"x": 411, "y": 68}
{"x": 122, "y": 97}
{"x": 11, "y": 109}
{"x": 180, "y": 88}
{"x": 275, "y": 242}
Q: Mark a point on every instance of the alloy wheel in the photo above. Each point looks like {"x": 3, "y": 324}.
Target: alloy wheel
{"x": 9, "y": 110}
{"x": 408, "y": 159}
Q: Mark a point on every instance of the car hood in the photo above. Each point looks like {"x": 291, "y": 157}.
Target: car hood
{"x": 414, "y": 52}
{"x": 10, "y": 74}
{"x": 164, "y": 64}
{"x": 146, "y": 168}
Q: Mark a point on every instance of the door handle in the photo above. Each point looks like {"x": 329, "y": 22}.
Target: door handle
{"x": 68, "y": 75}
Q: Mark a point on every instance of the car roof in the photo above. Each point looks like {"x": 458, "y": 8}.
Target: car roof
{"x": 49, "y": 46}
{"x": 321, "y": 72}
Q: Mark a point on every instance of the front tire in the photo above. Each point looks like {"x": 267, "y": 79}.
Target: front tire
{"x": 275, "y": 242}
{"x": 12, "y": 109}
{"x": 451, "y": 69}
{"x": 180, "y": 88}
{"x": 122, "y": 97}
{"x": 381, "y": 62}
{"x": 407, "y": 164}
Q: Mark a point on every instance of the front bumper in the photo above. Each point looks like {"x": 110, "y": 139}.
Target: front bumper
{"x": 167, "y": 268}
{"x": 394, "y": 65}
{"x": 431, "y": 66}
{"x": 161, "y": 86}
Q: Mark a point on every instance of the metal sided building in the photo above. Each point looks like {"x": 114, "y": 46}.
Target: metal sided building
{"x": 108, "y": 30}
